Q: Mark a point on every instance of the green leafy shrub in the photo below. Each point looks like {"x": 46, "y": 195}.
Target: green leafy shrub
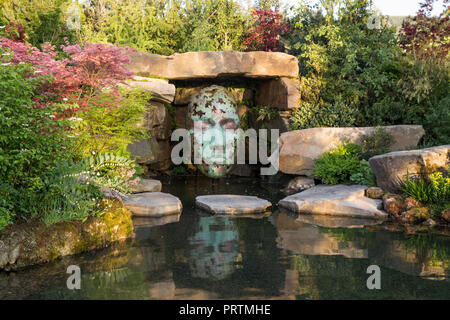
{"x": 343, "y": 164}
{"x": 337, "y": 165}
{"x": 365, "y": 175}
{"x": 106, "y": 128}
{"x": 345, "y": 67}
{"x": 433, "y": 190}
{"x": 109, "y": 170}
{"x": 313, "y": 115}
{"x": 32, "y": 141}
{"x": 72, "y": 190}
{"x": 6, "y": 205}
{"x": 38, "y": 173}
{"x": 264, "y": 113}
{"x": 378, "y": 142}
{"x": 59, "y": 196}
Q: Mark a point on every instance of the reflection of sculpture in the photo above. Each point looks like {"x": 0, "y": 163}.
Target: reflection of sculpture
{"x": 213, "y": 120}
{"x": 213, "y": 248}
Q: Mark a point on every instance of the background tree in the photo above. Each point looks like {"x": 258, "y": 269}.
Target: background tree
{"x": 42, "y": 20}
{"x": 214, "y": 25}
{"x": 267, "y": 31}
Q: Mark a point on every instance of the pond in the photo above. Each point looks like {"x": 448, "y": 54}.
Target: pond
{"x": 280, "y": 256}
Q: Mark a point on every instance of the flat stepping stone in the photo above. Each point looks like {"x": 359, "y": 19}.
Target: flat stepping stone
{"x": 338, "y": 200}
{"x": 152, "y": 204}
{"x": 232, "y": 204}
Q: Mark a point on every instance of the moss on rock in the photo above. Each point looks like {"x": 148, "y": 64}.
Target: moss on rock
{"x": 417, "y": 215}
{"x": 32, "y": 242}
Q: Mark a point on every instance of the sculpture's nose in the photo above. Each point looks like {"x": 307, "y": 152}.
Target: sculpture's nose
{"x": 215, "y": 136}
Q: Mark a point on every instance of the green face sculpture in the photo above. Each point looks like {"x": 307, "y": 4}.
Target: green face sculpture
{"x": 213, "y": 121}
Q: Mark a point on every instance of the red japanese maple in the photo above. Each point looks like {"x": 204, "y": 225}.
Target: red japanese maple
{"x": 265, "y": 35}
{"x": 78, "y": 77}
{"x": 424, "y": 35}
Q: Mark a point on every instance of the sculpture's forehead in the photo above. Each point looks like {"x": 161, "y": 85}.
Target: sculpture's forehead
{"x": 212, "y": 103}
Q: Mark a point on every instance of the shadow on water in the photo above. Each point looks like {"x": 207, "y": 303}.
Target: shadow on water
{"x": 283, "y": 256}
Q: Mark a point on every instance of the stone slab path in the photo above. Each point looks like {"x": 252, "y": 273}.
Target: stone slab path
{"x": 153, "y": 204}
{"x": 232, "y": 204}
{"x": 338, "y": 200}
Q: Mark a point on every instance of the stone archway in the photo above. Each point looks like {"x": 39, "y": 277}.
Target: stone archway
{"x": 270, "y": 79}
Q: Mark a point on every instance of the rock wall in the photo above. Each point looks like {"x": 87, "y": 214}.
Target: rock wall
{"x": 270, "y": 79}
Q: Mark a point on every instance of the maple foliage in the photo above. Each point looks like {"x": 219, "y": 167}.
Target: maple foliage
{"x": 425, "y": 35}
{"x": 77, "y": 77}
{"x": 15, "y": 31}
{"x": 265, "y": 35}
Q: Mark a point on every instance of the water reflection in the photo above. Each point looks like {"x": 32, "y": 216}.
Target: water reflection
{"x": 282, "y": 256}
{"x": 213, "y": 248}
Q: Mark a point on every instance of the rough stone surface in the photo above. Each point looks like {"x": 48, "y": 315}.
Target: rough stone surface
{"x": 153, "y": 204}
{"x": 214, "y": 64}
{"x": 340, "y": 200}
{"x": 30, "y": 243}
{"x": 299, "y": 149}
{"x": 374, "y": 193}
{"x": 162, "y": 90}
{"x": 232, "y": 204}
{"x": 394, "y": 204}
{"x": 430, "y": 223}
{"x": 417, "y": 215}
{"x": 154, "y": 151}
{"x": 145, "y": 185}
{"x": 282, "y": 94}
{"x": 158, "y": 121}
{"x": 180, "y": 117}
{"x": 411, "y": 203}
{"x": 394, "y": 167}
{"x": 298, "y": 184}
{"x": 446, "y": 215}
{"x": 151, "y": 152}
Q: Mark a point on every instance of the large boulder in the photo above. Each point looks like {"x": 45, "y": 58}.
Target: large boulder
{"x": 214, "y": 64}
{"x": 394, "y": 167}
{"x": 155, "y": 150}
{"x": 158, "y": 121}
{"x": 298, "y": 150}
{"x": 337, "y": 200}
{"x": 161, "y": 90}
{"x": 282, "y": 93}
{"x": 151, "y": 152}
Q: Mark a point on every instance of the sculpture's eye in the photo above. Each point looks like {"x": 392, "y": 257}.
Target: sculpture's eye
{"x": 228, "y": 123}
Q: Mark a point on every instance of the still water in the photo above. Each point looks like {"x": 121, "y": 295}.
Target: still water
{"x": 277, "y": 256}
